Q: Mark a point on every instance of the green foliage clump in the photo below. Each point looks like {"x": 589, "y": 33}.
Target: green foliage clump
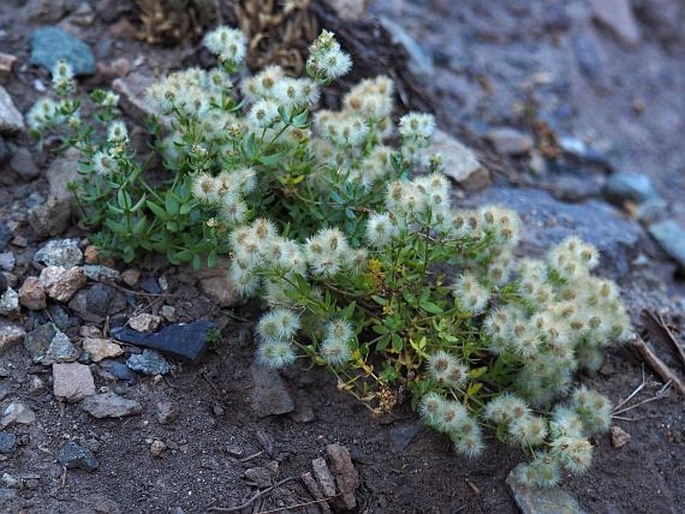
{"x": 356, "y": 252}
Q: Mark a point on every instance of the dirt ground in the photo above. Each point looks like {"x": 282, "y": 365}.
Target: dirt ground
{"x": 217, "y": 436}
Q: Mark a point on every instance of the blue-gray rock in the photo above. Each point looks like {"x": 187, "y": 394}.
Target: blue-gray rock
{"x": 634, "y": 187}
{"x": 3, "y": 392}
{"x": 100, "y": 273}
{"x": 581, "y": 151}
{"x": 22, "y": 163}
{"x": 11, "y": 119}
{"x": 552, "y": 500}
{"x": 72, "y": 455}
{"x": 420, "y": 62}
{"x": 7, "y": 442}
{"x": 186, "y": 341}
{"x": 149, "y": 362}
{"x": 97, "y": 302}
{"x": 50, "y": 44}
{"x": 5, "y": 235}
{"x": 60, "y": 252}
{"x": 119, "y": 370}
{"x": 5, "y": 156}
{"x": 60, "y": 350}
{"x": 269, "y": 394}
{"x": 548, "y": 221}
{"x": 110, "y": 405}
{"x": 38, "y": 340}
{"x": 671, "y": 237}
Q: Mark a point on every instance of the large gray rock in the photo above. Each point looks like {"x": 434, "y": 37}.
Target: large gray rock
{"x": 50, "y": 44}
{"x": 72, "y": 382}
{"x": 543, "y": 501}
{"x": 671, "y": 237}
{"x": 11, "y": 119}
{"x": 547, "y": 221}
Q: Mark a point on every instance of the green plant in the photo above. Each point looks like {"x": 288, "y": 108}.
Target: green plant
{"x": 354, "y": 248}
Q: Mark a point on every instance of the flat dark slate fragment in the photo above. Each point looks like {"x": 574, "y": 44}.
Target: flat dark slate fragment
{"x": 72, "y": 455}
{"x": 185, "y": 341}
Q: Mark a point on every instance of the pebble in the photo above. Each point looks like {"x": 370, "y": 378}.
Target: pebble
{"x": 50, "y": 44}
{"x": 65, "y": 253}
{"x": 9, "y": 302}
{"x": 168, "y": 312}
{"x": 510, "y": 141}
{"x": 10, "y": 333}
{"x": 324, "y": 477}
{"x": 22, "y": 161}
{"x": 460, "y": 162}
{"x": 618, "y": 16}
{"x": 7, "y": 442}
{"x": 145, "y": 322}
{"x": 119, "y": 370}
{"x": 11, "y": 119}
{"x": 349, "y": 10}
{"x": 315, "y": 490}
{"x": 671, "y": 237}
{"x": 186, "y": 340}
{"x": 149, "y": 362}
{"x": 633, "y": 187}
{"x": 539, "y": 501}
{"x": 32, "y": 295}
{"x": 346, "y": 476}
{"x": 132, "y": 92}
{"x": 38, "y": 340}
{"x": 130, "y": 277}
{"x": 100, "y": 349}
{"x": 110, "y": 405}
{"x": 36, "y": 385}
{"x": 269, "y": 395}
{"x": 100, "y": 273}
{"x": 17, "y": 413}
{"x": 157, "y": 448}
{"x": 619, "y": 437}
{"x": 60, "y": 350}
{"x": 97, "y": 302}
{"x": 72, "y": 455}
{"x": 7, "y": 259}
{"x": 72, "y": 382}
{"x": 166, "y": 412}
{"x": 61, "y": 284}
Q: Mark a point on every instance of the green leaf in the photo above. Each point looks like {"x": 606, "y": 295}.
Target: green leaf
{"x": 397, "y": 343}
{"x": 431, "y": 307}
{"x": 157, "y": 211}
{"x": 171, "y": 204}
{"x": 212, "y": 259}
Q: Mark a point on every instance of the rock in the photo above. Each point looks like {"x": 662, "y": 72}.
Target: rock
{"x": 185, "y": 341}
{"x": 420, "y": 62}
{"x": 619, "y": 437}
{"x": 346, "y": 476}
{"x": 349, "y": 10}
{"x": 582, "y": 152}
{"x": 133, "y": 96}
{"x": 110, "y": 405}
{"x": 100, "y": 273}
{"x": 7, "y": 259}
{"x": 6, "y": 64}
{"x": 402, "y": 436}
{"x": 459, "y": 161}
{"x": 542, "y": 501}
{"x": 119, "y": 370}
{"x": 83, "y": 16}
{"x": 166, "y": 412}
{"x": 622, "y": 187}
{"x": 36, "y": 385}
{"x": 662, "y": 17}
{"x": 316, "y": 492}
{"x": 61, "y": 284}
{"x": 60, "y": 350}
{"x": 4, "y": 392}
{"x": 16, "y": 413}
{"x": 61, "y": 173}
{"x": 11, "y": 119}
{"x": 145, "y": 322}
{"x": 269, "y": 394}
{"x": 577, "y": 188}
{"x": 64, "y": 253}
{"x": 149, "y": 362}
{"x": 168, "y": 312}
{"x": 130, "y": 277}
{"x": 72, "y": 456}
{"x": 260, "y": 476}
{"x": 51, "y": 218}
{"x": 157, "y": 448}
{"x": 9, "y": 302}
{"x": 50, "y": 44}
{"x": 10, "y": 333}
{"x": 46, "y": 11}
{"x": 100, "y": 349}
{"x": 38, "y": 340}
{"x": 548, "y": 221}
{"x": 618, "y": 16}
{"x": 324, "y": 477}
{"x": 97, "y": 302}
{"x": 671, "y": 238}
{"x": 22, "y": 163}
{"x": 32, "y": 294}
{"x": 509, "y": 141}
{"x": 591, "y": 59}
{"x": 7, "y": 442}
{"x": 110, "y": 10}
{"x": 72, "y": 382}
{"x": 216, "y": 289}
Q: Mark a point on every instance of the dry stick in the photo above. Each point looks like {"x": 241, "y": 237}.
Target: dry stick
{"x": 297, "y": 505}
{"x": 252, "y": 499}
{"x": 635, "y": 391}
{"x": 657, "y": 327}
{"x": 657, "y": 365}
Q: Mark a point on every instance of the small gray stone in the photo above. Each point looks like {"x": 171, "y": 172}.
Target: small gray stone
{"x": 7, "y": 442}
{"x": 9, "y": 302}
{"x": 51, "y": 218}
{"x": 36, "y": 385}
{"x": 100, "y": 273}
{"x": 10, "y": 333}
{"x": 60, "y": 350}
{"x": 671, "y": 237}
{"x": 3, "y": 392}
{"x": 50, "y": 44}
{"x": 420, "y": 62}
{"x": 110, "y": 405}
{"x": 167, "y": 412}
{"x": 542, "y": 501}
{"x": 149, "y": 362}
{"x": 509, "y": 141}
{"x": 7, "y": 259}
{"x": 38, "y": 340}
{"x": 11, "y": 119}
{"x": 145, "y": 322}
{"x": 622, "y": 187}
{"x": 60, "y": 252}
{"x": 22, "y": 163}
{"x": 16, "y": 413}
{"x": 72, "y": 382}
{"x": 118, "y": 370}
{"x": 269, "y": 394}
{"x": 72, "y": 455}
{"x": 324, "y": 477}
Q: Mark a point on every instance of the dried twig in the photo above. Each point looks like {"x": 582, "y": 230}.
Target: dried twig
{"x": 658, "y": 329}
{"x": 657, "y": 365}
{"x": 252, "y": 499}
